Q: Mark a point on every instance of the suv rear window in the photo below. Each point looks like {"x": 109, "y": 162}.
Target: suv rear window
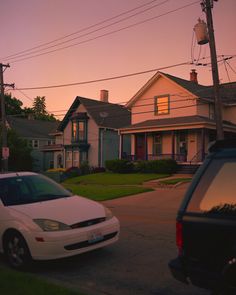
{"x": 216, "y": 192}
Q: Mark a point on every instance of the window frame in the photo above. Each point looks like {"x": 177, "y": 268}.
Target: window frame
{"x": 76, "y": 133}
{"x": 156, "y": 111}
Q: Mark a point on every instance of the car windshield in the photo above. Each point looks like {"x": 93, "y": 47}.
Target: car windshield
{"x": 30, "y": 189}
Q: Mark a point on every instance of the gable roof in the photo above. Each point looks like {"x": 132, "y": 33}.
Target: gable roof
{"x": 227, "y": 90}
{"x": 37, "y": 129}
{"x": 105, "y": 114}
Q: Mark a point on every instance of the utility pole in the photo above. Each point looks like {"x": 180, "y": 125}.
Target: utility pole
{"x": 5, "y": 150}
{"x": 207, "y": 6}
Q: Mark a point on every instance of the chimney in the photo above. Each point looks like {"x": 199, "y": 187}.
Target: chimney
{"x": 104, "y": 95}
{"x": 193, "y": 76}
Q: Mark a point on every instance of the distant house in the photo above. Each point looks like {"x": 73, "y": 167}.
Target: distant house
{"x": 89, "y": 132}
{"x": 174, "y": 118}
{"x": 36, "y": 132}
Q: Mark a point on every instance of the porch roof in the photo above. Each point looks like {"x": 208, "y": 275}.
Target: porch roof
{"x": 188, "y": 122}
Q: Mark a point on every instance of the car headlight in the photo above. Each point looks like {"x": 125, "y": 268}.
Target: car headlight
{"x": 51, "y": 225}
{"x": 108, "y": 213}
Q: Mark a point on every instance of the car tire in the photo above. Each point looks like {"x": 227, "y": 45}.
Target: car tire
{"x": 16, "y": 251}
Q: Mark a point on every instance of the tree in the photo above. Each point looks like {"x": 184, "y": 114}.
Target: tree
{"x": 13, "y": 105}
{"x": 39, "y": 109}
{"x": 20, "y": 153}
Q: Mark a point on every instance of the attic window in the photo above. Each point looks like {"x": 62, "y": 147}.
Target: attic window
{"x": 162, "y": 105}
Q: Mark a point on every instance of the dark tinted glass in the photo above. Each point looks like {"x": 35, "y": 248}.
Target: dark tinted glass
{"x": 29, "y": 189}
{"x": 216, "y": 191}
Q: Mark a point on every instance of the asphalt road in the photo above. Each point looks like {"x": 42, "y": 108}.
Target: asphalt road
{"x": 137, "y": 264}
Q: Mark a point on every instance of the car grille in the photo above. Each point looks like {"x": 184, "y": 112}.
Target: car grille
{"x": 85, "y": 244}
{"x": 88, "y": 222}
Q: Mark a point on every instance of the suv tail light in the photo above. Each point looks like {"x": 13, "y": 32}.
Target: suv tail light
{"x": 179, "y": 236}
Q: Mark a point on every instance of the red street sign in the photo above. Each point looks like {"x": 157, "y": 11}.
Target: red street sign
{"x": 5, "y": 152}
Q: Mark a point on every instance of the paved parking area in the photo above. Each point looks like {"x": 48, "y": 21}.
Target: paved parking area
{"x": 137, "y": 264}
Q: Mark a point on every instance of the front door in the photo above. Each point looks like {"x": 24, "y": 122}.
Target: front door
{"x": 182, "y": 146}
{"x": 140, "y": 147}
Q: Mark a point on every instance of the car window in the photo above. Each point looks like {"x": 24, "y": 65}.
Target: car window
{"x": 216, "y": 191}
{"x": 29, "y": 189}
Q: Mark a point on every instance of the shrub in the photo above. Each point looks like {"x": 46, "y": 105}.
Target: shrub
{"x": 72, "y": 172}
{"x": 97, "y": 169}
{"x": 168, "y": 166}
{"x": 85, "y": 168}
{"x": 119, "y": 166}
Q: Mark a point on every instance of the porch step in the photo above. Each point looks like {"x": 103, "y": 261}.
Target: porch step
{"x": 187, "y": 169}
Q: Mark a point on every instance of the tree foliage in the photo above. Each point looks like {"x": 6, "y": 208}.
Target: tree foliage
{"x": 20, "y": 153}
{"x": 38, "y": 111}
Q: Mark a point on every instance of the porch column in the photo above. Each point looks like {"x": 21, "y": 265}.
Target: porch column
{"x": 121, "y": 147}
{"x": 173, "y": 144}
{"x": 146, "y": 147}
{"x": 203, "y": 144}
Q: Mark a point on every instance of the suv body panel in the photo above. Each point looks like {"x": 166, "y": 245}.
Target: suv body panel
{"x": 209, "y": 237}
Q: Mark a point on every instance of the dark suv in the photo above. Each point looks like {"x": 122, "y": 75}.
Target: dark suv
{"x": 206, "y": 224}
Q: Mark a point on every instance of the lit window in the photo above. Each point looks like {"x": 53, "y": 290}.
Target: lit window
{"x": 162, "y": 105}
{"x": 78, "y": 131}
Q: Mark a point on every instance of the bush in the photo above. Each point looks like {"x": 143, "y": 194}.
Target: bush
{"x": 168, "y": 166}
{"x": 97, "y": 169}
{"x": 119, "y": 166}
{"x": 85, "y": 168}
{"x": 72, "y": 172}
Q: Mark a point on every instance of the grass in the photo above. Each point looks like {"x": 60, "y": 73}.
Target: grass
{"x": 175, "y": 180}
{"x": 16, "y": 283}
{"x": 107, "y": 186}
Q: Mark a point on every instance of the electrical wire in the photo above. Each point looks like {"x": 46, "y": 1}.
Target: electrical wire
{"x": 81, "y": 30}
{"x": 103, "y": 79}
{"x": 106, "y": 34}
{"x": 91, "y": 32}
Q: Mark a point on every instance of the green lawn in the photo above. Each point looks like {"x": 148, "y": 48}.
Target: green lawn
{"x": 17, "y": 283}
{"x": 107, "y": 186}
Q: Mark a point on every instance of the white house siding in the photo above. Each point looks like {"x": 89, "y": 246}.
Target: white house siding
{"x": 182, "y": 103}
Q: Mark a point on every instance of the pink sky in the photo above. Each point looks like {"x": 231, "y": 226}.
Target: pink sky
{"x": 164, "y": 41}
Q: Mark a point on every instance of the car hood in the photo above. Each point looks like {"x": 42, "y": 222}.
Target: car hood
{"x": 69, "y": 210}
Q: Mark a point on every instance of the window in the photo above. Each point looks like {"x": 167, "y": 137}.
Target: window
{"x": 216, "y": 190}
{"x": 51, "y": 142}
{"x": 157, "y": 145}
{"x": 212, "y": 111}
{"x": 162, "y": 105}
{"x": 79, "y": 132}
{"x": 75, "y": 159}
{"x": 34, "y": 143}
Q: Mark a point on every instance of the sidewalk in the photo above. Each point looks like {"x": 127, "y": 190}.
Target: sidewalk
{"x": 156, "y": 183}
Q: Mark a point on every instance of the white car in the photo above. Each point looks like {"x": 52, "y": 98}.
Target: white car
{"x": 41, "y": 220}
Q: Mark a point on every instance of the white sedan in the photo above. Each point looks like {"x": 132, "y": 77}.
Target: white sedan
{"x": 41, "y": 220}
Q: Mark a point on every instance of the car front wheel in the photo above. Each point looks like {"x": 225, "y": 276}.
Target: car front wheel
{"x": 16, "y": 251}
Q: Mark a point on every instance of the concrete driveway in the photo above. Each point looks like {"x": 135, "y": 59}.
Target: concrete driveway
{"x": 137, "y": 264}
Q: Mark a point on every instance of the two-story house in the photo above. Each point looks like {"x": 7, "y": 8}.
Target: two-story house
{"x": 174, "y": 118}
{"x": 36, "y": 133}
{"x": 89, "y": 132}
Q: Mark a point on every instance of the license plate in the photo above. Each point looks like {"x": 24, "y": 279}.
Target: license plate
{"x": 95, "y": 237}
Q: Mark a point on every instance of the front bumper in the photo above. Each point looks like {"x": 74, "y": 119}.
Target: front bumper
{"x": 199, "y": 277}
{"x": 53, "y": 245}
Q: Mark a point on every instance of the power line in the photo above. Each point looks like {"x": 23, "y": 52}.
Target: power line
{"x": 81, "y": 30}
{"x": 104, "y": 79}
{"x": 86, "y": 34}
{"x": 106, "y": 34}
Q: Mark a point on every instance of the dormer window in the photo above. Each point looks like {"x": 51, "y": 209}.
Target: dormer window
{"x": 162, "y": 105}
